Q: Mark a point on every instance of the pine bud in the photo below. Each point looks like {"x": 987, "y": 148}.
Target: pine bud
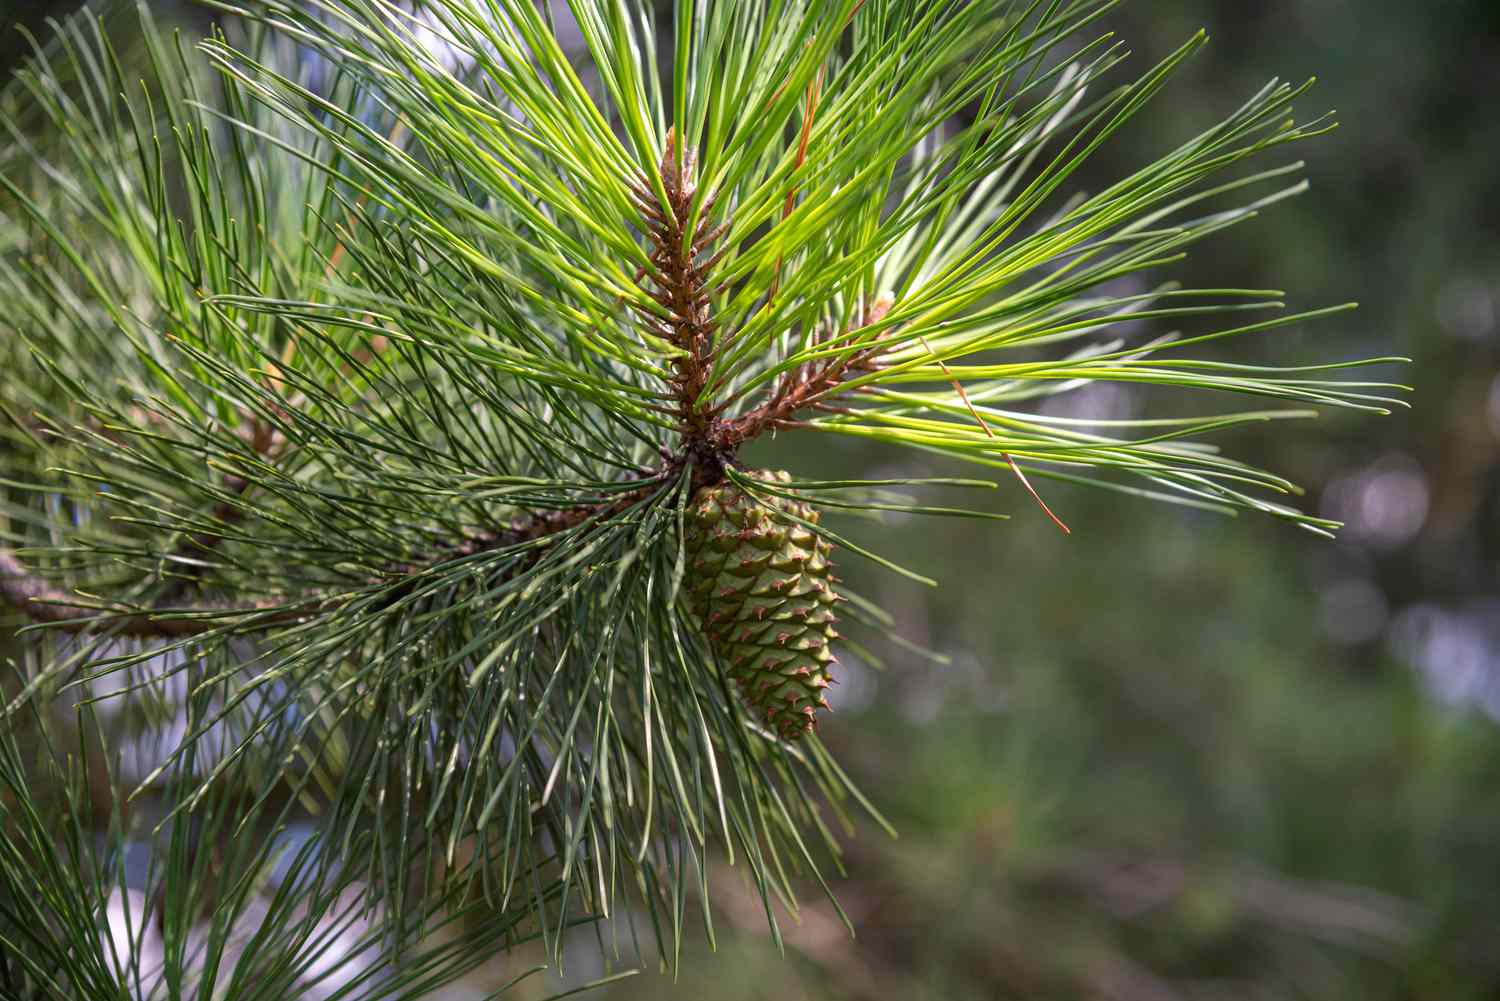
{"x": 762, "y": 588}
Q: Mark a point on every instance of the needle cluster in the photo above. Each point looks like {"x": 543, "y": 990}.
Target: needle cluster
{"x": 362, "y": 366}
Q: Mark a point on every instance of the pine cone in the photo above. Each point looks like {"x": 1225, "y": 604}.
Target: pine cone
{"x": 762, "y": 588}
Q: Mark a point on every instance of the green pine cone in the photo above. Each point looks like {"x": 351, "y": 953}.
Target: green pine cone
{"x": 762, "y": 588}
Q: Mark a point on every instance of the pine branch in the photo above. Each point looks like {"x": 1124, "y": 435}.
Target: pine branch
{"x": 33, "y": 596}
{"x": 430, "y": 346}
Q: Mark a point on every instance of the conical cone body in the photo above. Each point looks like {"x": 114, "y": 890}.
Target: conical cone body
{"x": 762, "y": 587}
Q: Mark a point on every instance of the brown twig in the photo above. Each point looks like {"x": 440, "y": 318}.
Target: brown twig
{"x": 679, "y": 270}
{"x": 40, "y": 602}
{"x": 30, "y": 594}
{"x": 806, "y": 386}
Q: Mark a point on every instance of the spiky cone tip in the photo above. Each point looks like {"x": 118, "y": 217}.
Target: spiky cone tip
{"x": 761, "y": 585}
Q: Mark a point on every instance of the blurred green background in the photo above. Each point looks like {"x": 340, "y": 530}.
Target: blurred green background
{"x": 1177, "y": 756}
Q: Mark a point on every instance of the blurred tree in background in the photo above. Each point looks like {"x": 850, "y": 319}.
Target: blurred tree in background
{"x": 1183, "y": 757}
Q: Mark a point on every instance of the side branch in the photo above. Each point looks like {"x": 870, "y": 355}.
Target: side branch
{"x": 807, "y": 386}
{"x": 38, "y": 600}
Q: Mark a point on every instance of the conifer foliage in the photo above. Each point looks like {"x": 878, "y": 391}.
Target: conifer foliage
{"x": 375, "y": 378}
